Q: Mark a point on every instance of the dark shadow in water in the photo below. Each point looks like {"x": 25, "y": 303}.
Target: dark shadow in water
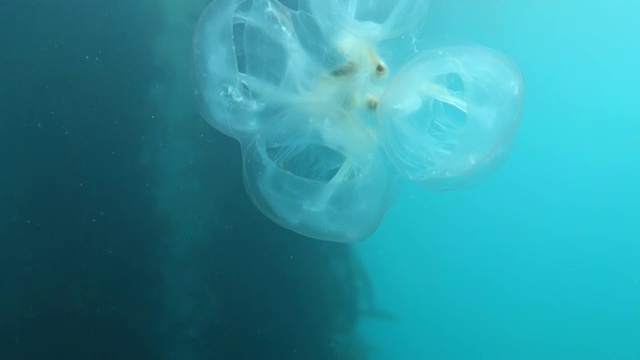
{"x": 287, "y": 296}
{"x": 77, "y": 227}
{"x": 79, "y": 235}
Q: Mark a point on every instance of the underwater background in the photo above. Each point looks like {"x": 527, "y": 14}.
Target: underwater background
{"x": 125, "y": 230}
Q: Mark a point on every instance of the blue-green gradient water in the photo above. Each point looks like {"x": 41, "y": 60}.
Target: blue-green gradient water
{"x": 541, "y": 260}
{"x": 126, "y": 233}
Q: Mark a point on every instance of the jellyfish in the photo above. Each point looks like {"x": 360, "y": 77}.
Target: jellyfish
{"x": 329, "y": 127}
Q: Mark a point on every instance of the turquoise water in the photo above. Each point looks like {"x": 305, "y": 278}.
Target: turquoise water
{"x": 126, "y": 232}
{"x": 541, "y": 260}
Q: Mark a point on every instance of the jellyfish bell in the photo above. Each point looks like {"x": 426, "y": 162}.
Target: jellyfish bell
{"x": 449, "y": 117}
{"x": 368, "y": 19}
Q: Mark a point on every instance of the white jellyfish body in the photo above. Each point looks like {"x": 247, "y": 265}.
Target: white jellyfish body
{"x": 451, "y": 114}
{"x": 248, "y": 57}
{"x": 327, "y": 129}
{"x": 312, "y": 173}
{"x": 369, "y": 19}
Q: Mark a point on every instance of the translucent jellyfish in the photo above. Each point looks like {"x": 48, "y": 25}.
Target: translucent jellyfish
{"x": 327, "y": 129}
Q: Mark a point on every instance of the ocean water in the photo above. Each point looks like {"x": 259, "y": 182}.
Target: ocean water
{"x": 126, "y": 233}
